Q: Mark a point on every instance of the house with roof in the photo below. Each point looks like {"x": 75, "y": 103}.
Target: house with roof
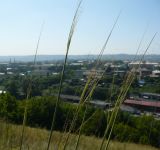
{"x": 155, "y": 74}
{"x": 145, "y": 102}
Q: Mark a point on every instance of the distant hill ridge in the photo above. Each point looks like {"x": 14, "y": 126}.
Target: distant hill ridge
{"x": 29, "y": 58}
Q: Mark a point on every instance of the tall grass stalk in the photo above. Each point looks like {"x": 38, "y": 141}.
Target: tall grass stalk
{"x": 121, "y": 98}
{"x": 106, "y": 42}
{"x": 93, "y": 75}
{"x": 86, "y": 121}
{"x": 82, "y": 101}
{"x": 110, "y": 98}
{"x": 125, "y": 87}
{"x": 88, "y": 98}
{"x": 74, "y": 23}
{"x": 104, "y": 47}
{"x": 130, "y": 78}
{"x": 117, "y": 109}
{"x": 91, "y": 82}
{"x": 83, "y": 95}
{"x": 139, "y": 46}
{"x": 95, "y": 79}
{"x": 79, "y": 135}
{"x": 140, "y": 43}
{"x": 29, "y": 91}
{"x": 66, "y": 123}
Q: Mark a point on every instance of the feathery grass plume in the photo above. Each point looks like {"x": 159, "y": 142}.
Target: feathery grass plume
{"x": 106, "y": 42}
{"x": 91, "y": 83}
{"x": 86, "y": 121}
{"x": 74, "y": 23}
{"x": 111, "y": 94}
{"x": 5, "y": 119}
{"x": 77, "y": 110}
{"x": 132, "y": 75}
{"x": 98, "y": 61}
{"x": 76, "y": 113}
{"x": 139, "y": 46}
{"x": 79, "y": 134}
{"x": 88, "y": 98}
{"x": 140, "y": 43}
{"x": 29, "y": 90}
{"x": 96, "y": 80}
{"x": 84, "y": 98}
{"x": 129, "y": 81}
{"x": 111, "y": 91}
{"x": 124, "y": 89}
{"x": 66, "y": 123}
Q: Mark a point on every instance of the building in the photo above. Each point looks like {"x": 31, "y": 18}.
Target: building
{"x": 129, "y": 109}
{"x": 93, "y": 103}
{"x": 96, "y": 73}
{"x": 41, "y": 72}
{"x": 143, "y": 72}
{"x": 150, "y": 96}
{"x": 144, "y": 64}
{"x": 155, "y": 74}
{"x": 144, "y": 105}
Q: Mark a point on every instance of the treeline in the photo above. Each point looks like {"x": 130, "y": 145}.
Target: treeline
{"x": 48, "y": 85}
{"x": 144, "y": 130}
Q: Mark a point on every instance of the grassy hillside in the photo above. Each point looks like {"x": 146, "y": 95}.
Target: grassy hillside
{"x": 36, "y": 139}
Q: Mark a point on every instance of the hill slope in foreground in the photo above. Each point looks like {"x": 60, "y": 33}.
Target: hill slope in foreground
{"x": 36, "y": 139}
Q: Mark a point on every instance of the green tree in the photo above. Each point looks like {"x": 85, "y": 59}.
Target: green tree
{"x": 8, "y": 106}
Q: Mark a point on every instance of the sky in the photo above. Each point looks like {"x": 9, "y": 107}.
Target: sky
{"x": 21, "y": 22}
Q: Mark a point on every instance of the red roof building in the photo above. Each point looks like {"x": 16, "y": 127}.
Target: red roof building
{"x": 144, "y": 104}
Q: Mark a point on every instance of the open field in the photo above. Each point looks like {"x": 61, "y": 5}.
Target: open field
{"x": 36, "y": 139}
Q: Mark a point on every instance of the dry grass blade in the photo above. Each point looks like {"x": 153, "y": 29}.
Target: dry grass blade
{"x": 139, "y": 46}
{"x": 140, "y": 43}
{"x": 79, "y": 135}
{"x": 29, "y": 91}
{"x": 66, "y": 123}
{"x": 96, "y": 80}
{"x": 86, "y": 121}
{"x": 91, "y": 83}
{"x": 129, "y": 80}
{"x": 124, "y": 89}
{"x": 106, "y": 42}
{"x": 74, "y": 23}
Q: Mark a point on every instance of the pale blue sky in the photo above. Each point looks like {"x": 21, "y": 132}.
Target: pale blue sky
{"x": 21, "y": 21}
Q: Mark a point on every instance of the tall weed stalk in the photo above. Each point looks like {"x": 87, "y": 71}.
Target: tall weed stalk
{"x": 29, "y": 91}
{"x": 90, "y": 85}
{"x": 74, "y": 23}
{"x": 124, "y": 89}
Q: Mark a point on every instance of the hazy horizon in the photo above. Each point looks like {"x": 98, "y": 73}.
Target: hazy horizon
{"x": 70, "y": 54}
{"x": 30, "y": 58}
